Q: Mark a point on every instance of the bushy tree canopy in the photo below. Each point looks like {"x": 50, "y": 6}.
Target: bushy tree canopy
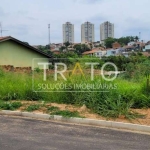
{"x": 123, "y": 40}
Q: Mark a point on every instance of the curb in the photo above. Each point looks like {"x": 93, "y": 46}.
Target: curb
{"x": 84, "y": 121}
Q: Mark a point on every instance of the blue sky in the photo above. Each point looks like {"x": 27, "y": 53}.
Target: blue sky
{"x": 28, "y": 20}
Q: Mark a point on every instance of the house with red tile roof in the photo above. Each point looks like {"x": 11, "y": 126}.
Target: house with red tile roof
{"x": 98, "y": 52}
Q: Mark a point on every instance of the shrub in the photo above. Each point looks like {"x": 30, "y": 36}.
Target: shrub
{"x": 66, "y": 113}
{"x": 10, "y": 105}
{"x": 52, "y": 109}
{"x": 10, "y": 96}
{"x": 38, "y": 70}
{"x": 34, "y": 96}
{"x": 32, "y": 108}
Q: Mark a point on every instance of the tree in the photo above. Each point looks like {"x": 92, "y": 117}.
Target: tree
{"x": 77, "y": 49}
{"x": 62, "y": 48}
{"x": 67, "y": 44}
{"x": 47, "y": 46}
{"x": 109, "y": 41}
{"x": 48, "y": 52}
{"x": 136, "y": 38}
{"x": 45, "y": 49}
{"x": 81, "y": 48}
{"x": 84, "y": 48}
{"x": 122, "y": 41}
{"x": 26, "y": 43}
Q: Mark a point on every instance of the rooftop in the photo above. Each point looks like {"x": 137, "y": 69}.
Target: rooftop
{"x": 2, "y": 39}
{"x": 92, "y": 51}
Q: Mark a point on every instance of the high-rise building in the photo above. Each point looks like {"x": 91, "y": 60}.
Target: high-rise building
{"x": 87, "y": 32}
{"x": 106, "y": 30}
{"x": 68, "y": 32}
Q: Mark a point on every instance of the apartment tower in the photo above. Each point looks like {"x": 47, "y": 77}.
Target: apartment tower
{"x": 87, "y": 32}
{"x": 68, "y": 32}
{"x": 106, "y": 30}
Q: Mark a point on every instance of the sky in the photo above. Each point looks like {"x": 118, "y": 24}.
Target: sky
{"x": 28, "y": 20}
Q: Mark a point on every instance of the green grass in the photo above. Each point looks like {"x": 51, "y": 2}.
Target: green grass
{"x": 10, "y": 105}
{"x": 52, "y": 109}
{"x": 33, "y": 107}
{"x": 66, "y": 113}
{"x": 127, "y": 94}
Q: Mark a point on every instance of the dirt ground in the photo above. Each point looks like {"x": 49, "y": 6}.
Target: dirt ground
{"x": 83, "y": 111}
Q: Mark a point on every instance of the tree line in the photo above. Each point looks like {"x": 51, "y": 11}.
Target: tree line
{"x": 122, "y": 41}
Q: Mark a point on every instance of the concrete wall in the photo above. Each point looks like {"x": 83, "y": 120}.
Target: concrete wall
{"x": 17, "y": 55}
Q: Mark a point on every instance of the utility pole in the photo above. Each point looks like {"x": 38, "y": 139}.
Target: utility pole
{"x": 1, "y": 30}
{"x": 49, "y": 35}
{"x": 142, "y": 46}
{"x": 141, "y": 42}
{"x": 87, "y": 32}
{"x": 139, "y": 36}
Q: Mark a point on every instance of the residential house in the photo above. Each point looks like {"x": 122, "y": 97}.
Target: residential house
{"x": 116, "y": 52}
{"x": 147, "y": 47}
{"x": 95, "y": 52}
{"x": 18, "y": 54}
{"x": 116, "y": 45}
{"x": 129, "y": 48}
{"x": 132, "y": 43}
{"x": 134, "y": 46}
{"x": 96, "y": 44}
{"x": 55, "y": 50}
{"x": 111, "y": 52}
{"x": 55, "y": 47}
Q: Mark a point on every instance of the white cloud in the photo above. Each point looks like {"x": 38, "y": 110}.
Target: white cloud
{"x": 28, "y": 20}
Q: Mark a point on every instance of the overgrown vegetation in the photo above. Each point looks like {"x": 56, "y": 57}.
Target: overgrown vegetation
{"x": 52, "y": 109}
{"x": 10, "y": 105}
{"x": 33, "y": 107}
{"x": 130, "y": 90}
{"x": 66, "y": 113}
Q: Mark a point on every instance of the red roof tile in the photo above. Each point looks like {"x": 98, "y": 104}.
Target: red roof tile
{"x": 91, "y": 52}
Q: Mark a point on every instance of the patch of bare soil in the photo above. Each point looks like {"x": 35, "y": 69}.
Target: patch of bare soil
{"x": 85, "y": 112}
